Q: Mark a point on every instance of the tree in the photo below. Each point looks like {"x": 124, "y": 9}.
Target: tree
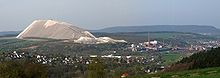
{"x": 96, "y": 69}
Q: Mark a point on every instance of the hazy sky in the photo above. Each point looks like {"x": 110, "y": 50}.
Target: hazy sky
{"x": 96, "y": 14}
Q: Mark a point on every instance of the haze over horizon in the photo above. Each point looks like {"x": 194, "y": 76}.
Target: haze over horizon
{"x": 96, "y": 14}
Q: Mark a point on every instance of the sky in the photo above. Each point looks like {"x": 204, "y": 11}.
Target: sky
{"x": 15, "y": 15}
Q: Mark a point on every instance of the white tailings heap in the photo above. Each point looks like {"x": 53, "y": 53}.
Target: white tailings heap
{"x": 61, "y": 30}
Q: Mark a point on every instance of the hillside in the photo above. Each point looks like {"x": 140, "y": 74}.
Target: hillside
{"x": 205, "y": 59}
{"x": 156, "y": 28}
{"x": 198, "y": 73}
{"x": 198, "y": 60}
{"x": 200, "y": 65}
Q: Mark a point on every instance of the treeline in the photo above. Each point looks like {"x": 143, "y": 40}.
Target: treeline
{"x": 22, "y": 69}
{"x": 25, "y": 68}
{"x": 97, "y": 68}
{"x": 210, "y": 58}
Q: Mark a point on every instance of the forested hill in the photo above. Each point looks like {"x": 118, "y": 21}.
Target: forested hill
{"x": 210, "y": 58}
{"x": 155, "y": 28}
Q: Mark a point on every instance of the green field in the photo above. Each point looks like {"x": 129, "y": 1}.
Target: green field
{"x": 198, "y": 73}
{"x": 170, "y": 58}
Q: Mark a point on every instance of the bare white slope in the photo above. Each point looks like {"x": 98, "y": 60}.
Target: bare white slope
{"x": 100, "y": 40}
{"x": 61, "y": 30}
{"x": 54, "y": 30}
{"x": 108, "y": 40}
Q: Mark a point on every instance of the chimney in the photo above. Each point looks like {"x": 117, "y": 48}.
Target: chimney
{"x": 149, "y": 39}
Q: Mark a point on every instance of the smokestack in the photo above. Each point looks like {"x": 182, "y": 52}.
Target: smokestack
{"x": 148, "y": 39}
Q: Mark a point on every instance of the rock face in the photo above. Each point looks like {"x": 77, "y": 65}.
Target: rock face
{"x": 61, "y": 30}
{"x": 54, "y": 30}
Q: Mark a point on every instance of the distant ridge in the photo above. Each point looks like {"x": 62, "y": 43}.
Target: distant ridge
{"x": 155, "y": 28}
{"x": 9, "y": 33}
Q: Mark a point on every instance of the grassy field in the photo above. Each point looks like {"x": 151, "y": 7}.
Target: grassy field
{"x": 170, "y": 58}
{"x": 198, "y": 73}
